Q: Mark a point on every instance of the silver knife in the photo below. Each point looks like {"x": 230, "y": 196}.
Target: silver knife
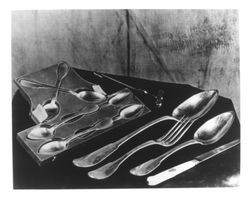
{"x": 172, "y": 172}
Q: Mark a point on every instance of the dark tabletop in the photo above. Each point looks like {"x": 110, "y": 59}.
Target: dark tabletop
{"x": 61, "y": 174}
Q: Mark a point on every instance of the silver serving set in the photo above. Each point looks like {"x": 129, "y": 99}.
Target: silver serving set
{"x": 72, "y": 111}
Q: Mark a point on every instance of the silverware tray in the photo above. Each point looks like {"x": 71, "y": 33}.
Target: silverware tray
{"x": 69, "y": 104}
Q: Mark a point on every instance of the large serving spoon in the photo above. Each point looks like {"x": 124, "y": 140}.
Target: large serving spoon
{"x": 59, "y": 145}
{"x": 209, "y": 133}
{"x": 202, "y": 101}
{"x": 52, "y": 106}
{"x": 45, "y": 131}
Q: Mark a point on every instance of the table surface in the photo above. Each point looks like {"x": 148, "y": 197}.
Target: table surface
{"x": 62, "y": 174}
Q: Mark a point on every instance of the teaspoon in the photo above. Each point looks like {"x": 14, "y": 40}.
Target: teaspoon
{"x": 209, "y": 133}
{"x": 59, "y": 145}
{"x": 158, "y": 98}
{"x": 51, "y": 106}
{"x": 98, "y": 97}
{"x": 85, "y": 94}
{"x": 45, "y": 131}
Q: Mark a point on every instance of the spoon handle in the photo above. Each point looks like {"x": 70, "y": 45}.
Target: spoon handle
{"x": 79, "y": 135}
{"x": 102, "y": 153}
{"x": 39, "y": 85}
{"x": 110, "y": 97}
{"x": 84, "y": 111}
{"x": 110, "y": 168}
{"x": 62, "y": 71}
{"x": 33, "y": 84}
{"x": 124, "y": 84}
{"x": 148, "y": 166}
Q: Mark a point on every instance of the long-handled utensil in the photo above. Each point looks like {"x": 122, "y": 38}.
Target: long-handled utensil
{"x": 158, "y": 98}
{"x": 58, "y": 145}
{"x": 192, "y": 108}
{"x": 209, "y": 133}
{"x": 85, "y": 94}
{"x": 50, "y": 108}
{"x": 176, "y": 170}
{"x": 45, "y": 131}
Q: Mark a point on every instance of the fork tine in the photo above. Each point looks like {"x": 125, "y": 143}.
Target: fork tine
{"x": 174, "y": 128}
{"x": 180, "y": 133}
{"x": 177, "y": 131}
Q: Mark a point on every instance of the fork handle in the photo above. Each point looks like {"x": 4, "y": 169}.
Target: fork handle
{"x": 110, "y": 168}
{"x": 148, "y": 166}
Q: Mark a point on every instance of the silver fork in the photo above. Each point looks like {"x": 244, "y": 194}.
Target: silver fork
{"x": 169, "y": 139}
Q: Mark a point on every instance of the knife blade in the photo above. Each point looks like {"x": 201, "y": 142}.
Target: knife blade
{"x": 176, "y": 170}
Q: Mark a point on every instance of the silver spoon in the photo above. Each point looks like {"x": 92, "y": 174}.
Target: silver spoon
{"x": 89, "y": 95}
{"x": 51, "y": 106}
{"x": 37, "y": 85}
{"x": 56, "y": 146}
{"x": 85, "y": 94}
{"x": 115, "y": 99}
{"x": 158, "y": 98}
{"x": 209, "y": 133}
{"x": 194, "y": 102}
{"x": 97, "y": 97}
{"x": 45, "y": 131}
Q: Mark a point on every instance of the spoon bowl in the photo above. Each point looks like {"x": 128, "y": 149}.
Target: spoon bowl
{"x": 197, "y": 105}
{"x": 52, "y": 108}
{"x": 118, "y": 98}
{"x": 89, "y": 95}
{"x": 53, "y": 147}
{"x": 129, "y": 112}
{"x": 214, "y": 129}
{"x": 40, "y": 132}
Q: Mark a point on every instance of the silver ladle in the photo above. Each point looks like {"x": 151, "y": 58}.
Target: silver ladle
{"x": 209, "y": 133}
{"x": 51, "y": 106}
{"x": 193, "y": 108}
{"x": 45, "y": 131}
{"x": 59, "y": 145}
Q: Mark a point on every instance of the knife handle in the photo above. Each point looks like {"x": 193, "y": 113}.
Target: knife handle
{"x": 170, "y": 173}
